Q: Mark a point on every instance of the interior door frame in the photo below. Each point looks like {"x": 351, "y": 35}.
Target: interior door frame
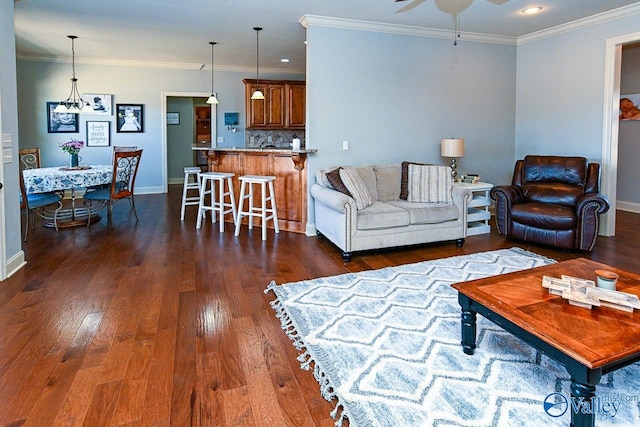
{"x": 609, "y": 177}
{"x": 163, "y": 103}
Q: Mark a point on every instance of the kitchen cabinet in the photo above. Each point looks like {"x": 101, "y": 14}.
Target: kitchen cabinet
{"x": 296, "y": 105}
{"x": 283, "y": 107}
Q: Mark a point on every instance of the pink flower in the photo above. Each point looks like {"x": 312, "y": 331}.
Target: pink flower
{"x": 71, "y": 147}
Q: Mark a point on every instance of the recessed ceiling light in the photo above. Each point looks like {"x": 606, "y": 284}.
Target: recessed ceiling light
{"x": 284, "y": 60}
{"x": 532, "y": 10}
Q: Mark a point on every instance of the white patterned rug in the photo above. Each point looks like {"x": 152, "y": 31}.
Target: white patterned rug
{"x": 385, "y": 347}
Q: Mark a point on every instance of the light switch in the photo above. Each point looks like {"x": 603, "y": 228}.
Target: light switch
{"x": 7, "y": 155}
{"x": 345, "y": 145}
{"x": 221, "y": 139}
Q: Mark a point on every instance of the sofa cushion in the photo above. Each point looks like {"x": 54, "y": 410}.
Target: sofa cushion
{"x": 430, "y": 184}
{"x": 382, "y": 215}
{"x": 428, "y": 213}
{"x": 544, "y": 215}
{"x": 388, "y": 182}
{"x": 356, "y": 186}
{"x": 369, "y": 178}
{"x": 404, "y": 179}
{"x": 334, "y": 179}
{"x": 321, "y": 176}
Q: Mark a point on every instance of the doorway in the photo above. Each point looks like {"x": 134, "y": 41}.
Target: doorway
{"x": 185, "y": 157}
{"x": 613, "y": 70}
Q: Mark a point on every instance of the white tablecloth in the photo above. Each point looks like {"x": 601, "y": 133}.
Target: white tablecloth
{"x": 43, "y": 180}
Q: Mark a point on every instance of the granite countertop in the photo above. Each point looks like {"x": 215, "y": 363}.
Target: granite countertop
{"x": 265, "y": 150}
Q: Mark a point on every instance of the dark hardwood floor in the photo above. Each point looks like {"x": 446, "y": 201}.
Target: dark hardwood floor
{"x": 156, "y": 323}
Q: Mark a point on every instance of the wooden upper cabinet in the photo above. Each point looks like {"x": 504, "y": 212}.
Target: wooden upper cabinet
{"x": 282, "y": 108}
{"x": 297, "y": 105}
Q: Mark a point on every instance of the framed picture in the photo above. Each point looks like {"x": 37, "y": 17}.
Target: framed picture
{"x": 629, "y": 106}
{"x": 173, "y": 118}
{"x": 98, "y": 134}
{"x": 130, "y": 117}
{"x": 102, "y": 104}
{"x": 61, "y": 122}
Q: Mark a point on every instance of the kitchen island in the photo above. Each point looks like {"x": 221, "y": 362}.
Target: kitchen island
{"x": 288, "y": 166}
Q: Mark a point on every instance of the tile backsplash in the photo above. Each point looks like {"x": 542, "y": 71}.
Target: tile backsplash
{"x": 280, "y": 138}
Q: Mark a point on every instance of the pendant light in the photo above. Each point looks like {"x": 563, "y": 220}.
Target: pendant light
{"x": 212, "y": 99}
{"x": 74, "y": 103}
{"x": 257, "y": 94}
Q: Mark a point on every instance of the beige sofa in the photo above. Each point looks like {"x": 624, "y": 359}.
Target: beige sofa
{"x": 389, "y": 221}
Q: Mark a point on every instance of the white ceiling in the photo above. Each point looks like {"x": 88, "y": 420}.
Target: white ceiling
{"x": 178, "y": 31}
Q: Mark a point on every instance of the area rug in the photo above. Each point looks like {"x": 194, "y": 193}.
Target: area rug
{"x": 385, "y": 348}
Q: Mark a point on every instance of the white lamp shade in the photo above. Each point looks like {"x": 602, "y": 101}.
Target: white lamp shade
{"x": 257, "y": 94}
{"x": 212, "y": 99}
{"x": 452, "y": 147}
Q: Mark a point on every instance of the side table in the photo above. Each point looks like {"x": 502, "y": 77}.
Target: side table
{"x": 478, "y": 213}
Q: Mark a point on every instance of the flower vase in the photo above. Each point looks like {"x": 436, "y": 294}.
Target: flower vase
{"x": 73, "y": 160}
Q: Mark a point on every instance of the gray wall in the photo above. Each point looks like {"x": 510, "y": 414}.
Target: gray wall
{"x": 628, "y": 195}
{"x": 394, "y": 97}
{"x": 9, "y": 118}
{"x": 560, "y": 94}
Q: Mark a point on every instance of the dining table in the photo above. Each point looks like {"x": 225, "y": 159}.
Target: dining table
{"x": 61, "y": 178}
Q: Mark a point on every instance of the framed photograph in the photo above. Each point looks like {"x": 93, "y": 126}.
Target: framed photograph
{"x": 130, "y": 117}
{"x": 102, "y": 104}
{"x": 629, "y": 109}
{"x": 98, "y": 134}
{"x": 61, "y": 122}
{"x": 173, "y": 118}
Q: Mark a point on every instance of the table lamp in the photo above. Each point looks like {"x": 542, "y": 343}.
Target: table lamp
{"x": 452, "y": 147}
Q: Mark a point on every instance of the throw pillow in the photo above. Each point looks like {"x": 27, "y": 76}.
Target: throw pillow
{"x": 334, "y": 179}
{"x": 429, "y": 184}
{"x": 404, "y": 179}
{"x": 356, "y": 187}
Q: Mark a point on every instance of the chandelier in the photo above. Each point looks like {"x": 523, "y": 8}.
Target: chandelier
{"x": 74, "y": 103}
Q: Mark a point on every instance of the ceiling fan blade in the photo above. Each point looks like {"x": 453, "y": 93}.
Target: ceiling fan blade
{"x": 414, "y": 3}
{"x": 498, "y": 2}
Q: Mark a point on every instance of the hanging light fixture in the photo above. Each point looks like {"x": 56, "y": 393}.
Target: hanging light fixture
{"x": 257, "y": 94}
{"x": 74, "y": 103}
{"x": 212, "y": 99}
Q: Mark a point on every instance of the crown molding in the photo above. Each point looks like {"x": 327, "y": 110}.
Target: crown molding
{"x": 589, "y": 21}
{"x": 406, "y": 30}
{"x": 153, "y": 64}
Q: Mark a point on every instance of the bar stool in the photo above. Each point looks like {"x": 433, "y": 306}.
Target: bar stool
{"x": 220, "y": 205}
{"x": 261, "y": 211}
{"x": 189, "y": 200}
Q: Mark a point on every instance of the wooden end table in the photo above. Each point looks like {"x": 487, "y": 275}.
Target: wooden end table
{"x": 589, "y": 343}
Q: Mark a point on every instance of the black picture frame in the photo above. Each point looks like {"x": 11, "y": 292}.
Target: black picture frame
{"x": 130, "y": 118}
{"x": 61, "y": 122}
{"x": 98, "y": 133}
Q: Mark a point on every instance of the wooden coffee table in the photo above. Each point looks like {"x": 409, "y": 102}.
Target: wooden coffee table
{"x": 589, "y": 343}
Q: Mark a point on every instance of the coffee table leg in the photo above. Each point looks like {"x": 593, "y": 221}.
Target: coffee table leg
{"x": 468, "y": 325}
{"x": 582, "y": 393}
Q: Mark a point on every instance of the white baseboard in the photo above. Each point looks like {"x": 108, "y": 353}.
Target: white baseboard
{"x": 15, "y": 263}
{"x": 628, "y": 206}
{"x": 311, "y": 229}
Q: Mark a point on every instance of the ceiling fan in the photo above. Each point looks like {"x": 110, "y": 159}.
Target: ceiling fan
{"x": 452, "y": 7}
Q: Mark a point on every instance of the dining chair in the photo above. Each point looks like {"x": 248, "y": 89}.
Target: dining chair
{"x": 32, "y": 204}
{"x": 29, "y": 158}
{"x": 125, "y": 169}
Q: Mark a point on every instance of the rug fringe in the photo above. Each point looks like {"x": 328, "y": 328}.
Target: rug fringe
{"x": 533, "y": 254}
{"x": 305, "y": 358}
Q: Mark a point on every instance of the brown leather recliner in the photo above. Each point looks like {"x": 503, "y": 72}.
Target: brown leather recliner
{"x": 552, "y": 200}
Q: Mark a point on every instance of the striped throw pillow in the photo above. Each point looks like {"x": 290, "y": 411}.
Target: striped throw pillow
{"x": 429, "y": 184}
{"x": 356, "y": 186}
